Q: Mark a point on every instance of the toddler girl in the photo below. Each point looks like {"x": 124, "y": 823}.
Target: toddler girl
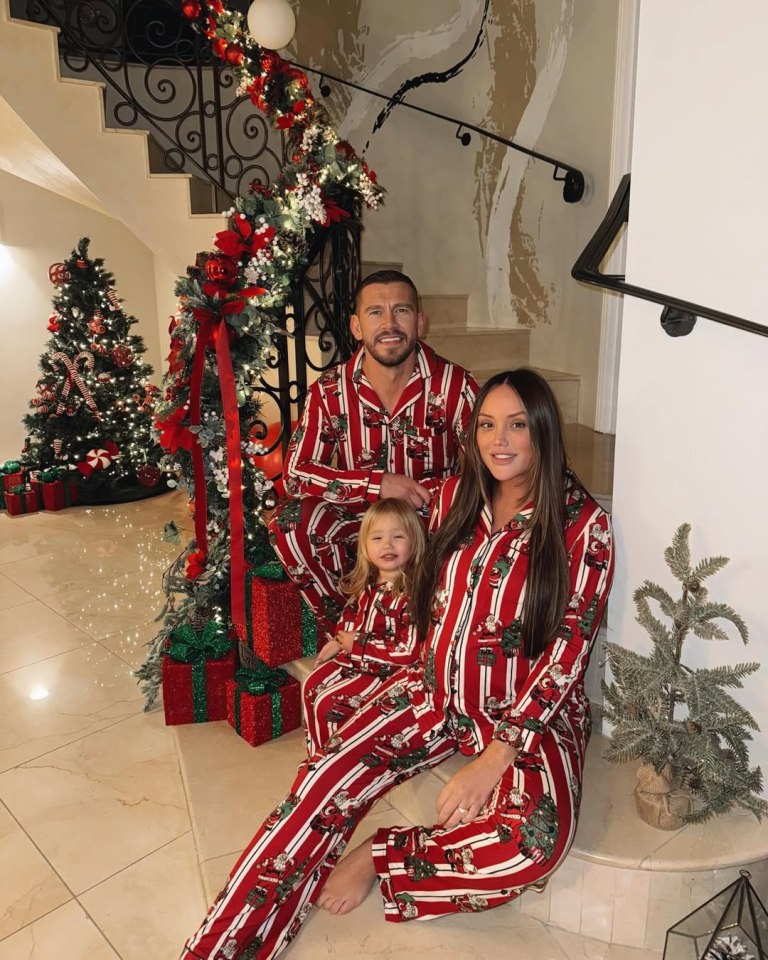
{"x": 375, "y": 635}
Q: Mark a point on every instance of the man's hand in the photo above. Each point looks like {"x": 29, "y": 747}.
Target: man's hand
{"x": 467, "y": 792}
{"x": 404, "y": 488}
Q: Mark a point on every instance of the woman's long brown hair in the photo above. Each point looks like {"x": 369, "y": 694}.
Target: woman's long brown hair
{"x": 547, "y": 587}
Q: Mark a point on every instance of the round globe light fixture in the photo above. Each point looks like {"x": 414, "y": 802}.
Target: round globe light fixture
{"x": 271, "y": 23}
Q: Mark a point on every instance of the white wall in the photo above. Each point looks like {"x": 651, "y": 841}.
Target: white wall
{"x": 693, "y": 412}
{"x": 38, "y": 228}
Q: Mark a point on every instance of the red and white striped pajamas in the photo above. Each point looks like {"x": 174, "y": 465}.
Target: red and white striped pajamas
{"x": 385, "y": 640}
{"x": 476, "y": 685}
{"x": 345, "y": 443}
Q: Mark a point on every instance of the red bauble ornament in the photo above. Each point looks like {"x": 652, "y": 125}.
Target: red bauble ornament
{"x": 122, "y": 355}
{"x": 81, "y": 264}
{"x": 148, "y": 475}
{"x": 103, "y": 378}
{"x": 219, "y": 47}
{"x": 191, "y": 9}
{"x": 222, "y": 270}
{"x": 58, "y": 274}
{"x": 96, "y": 325}
{"x": 234, "y": 54}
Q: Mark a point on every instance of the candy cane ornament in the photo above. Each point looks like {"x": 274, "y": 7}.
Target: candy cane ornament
{"x": 73, "y": 376}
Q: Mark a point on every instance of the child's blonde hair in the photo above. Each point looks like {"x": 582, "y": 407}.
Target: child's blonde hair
{"x": 363, "y": 572}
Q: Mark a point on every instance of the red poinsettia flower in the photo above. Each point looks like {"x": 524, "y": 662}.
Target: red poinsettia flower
{"x": 243, "y": 242}
{"x": 174, "y": 433}
{"x": 195, "y": 565}
{"x": 333, "y": 212}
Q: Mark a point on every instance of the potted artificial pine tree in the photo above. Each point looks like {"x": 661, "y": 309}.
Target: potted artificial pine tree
{"x": 689, "y": 732}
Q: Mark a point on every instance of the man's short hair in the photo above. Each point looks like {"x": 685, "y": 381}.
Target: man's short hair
{"x": 386, "y": 276}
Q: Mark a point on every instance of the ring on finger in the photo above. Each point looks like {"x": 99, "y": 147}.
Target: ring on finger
{"x": 463, "y": 811}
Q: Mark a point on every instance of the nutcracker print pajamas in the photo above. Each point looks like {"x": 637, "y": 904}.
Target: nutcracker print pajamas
{"x": 385, "y": 640}
{"x": 345, "y": 443}
{"x": 475, "y": 685}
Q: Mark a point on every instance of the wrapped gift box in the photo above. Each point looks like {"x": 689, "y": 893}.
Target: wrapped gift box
{"x": 195, "y": 670}
{"x": 14, "y": 479}
{"x": 280, "y": 627}
{"x": 20, "y": 500}
{"x": 59, "y": 494}
{"x": 263, "y": 704}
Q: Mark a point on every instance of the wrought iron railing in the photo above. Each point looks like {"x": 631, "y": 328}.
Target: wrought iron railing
{"x": 316, "y": 319}
{"x": 160, "y": 75}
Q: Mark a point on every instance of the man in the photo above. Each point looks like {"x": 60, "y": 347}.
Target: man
{"x": 387, "y": 423}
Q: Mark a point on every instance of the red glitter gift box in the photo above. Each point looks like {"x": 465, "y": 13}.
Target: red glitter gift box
{"x": 263, "y": 705}
{"x": 280, "y": 627}
{"x": 20, "y": 500}
{"x": 13, "y": 480}
{"x": 59, "y": 494}
{"x": 194, "y": 691}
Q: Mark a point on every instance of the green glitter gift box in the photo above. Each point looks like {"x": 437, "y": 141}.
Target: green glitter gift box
{"x": 263, "y": 704}
{"x": 195, "y": 671}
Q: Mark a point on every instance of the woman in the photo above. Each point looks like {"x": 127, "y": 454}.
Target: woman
{"x": 510, "y": 595}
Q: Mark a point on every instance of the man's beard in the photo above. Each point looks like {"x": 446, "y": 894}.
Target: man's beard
{"x": 389, "y": 358}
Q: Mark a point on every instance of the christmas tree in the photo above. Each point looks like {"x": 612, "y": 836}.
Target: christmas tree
{"x": 94, "y": 404}
{"x": 678, "y": 719}
{"x": 230, "y": 313}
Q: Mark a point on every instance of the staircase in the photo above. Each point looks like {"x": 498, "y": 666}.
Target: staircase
{"x": 67, "y": 116}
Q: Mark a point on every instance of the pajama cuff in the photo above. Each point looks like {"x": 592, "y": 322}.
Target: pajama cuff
{"x": 381, "y": 865}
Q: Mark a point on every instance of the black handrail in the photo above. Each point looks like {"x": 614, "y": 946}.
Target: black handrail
{"x": 572, "y": 180}
{"x": 678, "y": 317}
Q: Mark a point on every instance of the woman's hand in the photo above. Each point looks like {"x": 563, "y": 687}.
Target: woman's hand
{"x": 327, "y": 652}
{"x": 467, "y": 792}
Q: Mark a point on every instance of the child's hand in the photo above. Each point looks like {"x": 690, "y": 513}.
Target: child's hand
{"x": 346, "y": 640}
{"x": 328, "y": 652}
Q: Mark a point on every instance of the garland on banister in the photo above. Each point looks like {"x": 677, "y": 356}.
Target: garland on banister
{"x": 222, "y": 335}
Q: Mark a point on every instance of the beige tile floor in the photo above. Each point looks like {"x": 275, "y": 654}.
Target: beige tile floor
{"x": 107, "y": 849}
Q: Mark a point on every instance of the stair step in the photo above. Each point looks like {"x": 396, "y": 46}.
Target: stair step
{"x": 565, "y": 387}
{"x": 368, "y": 267}
{"x": 480, "y": 349}
{"x": 445, "y": 313}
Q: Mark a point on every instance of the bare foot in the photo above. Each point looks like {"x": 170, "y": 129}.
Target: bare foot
{"x": 350, "y": 881}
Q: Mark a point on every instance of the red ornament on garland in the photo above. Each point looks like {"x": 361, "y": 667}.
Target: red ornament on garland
{"x": 234, "y": 54}
{"x": 219, "y": 47}
{"x": 148, "y": 475}
{"x": 191, "y": 9}
{"x": 222, "y": 270}
{"x": 122, "y": 355}
{"x": 58, "y": 274}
